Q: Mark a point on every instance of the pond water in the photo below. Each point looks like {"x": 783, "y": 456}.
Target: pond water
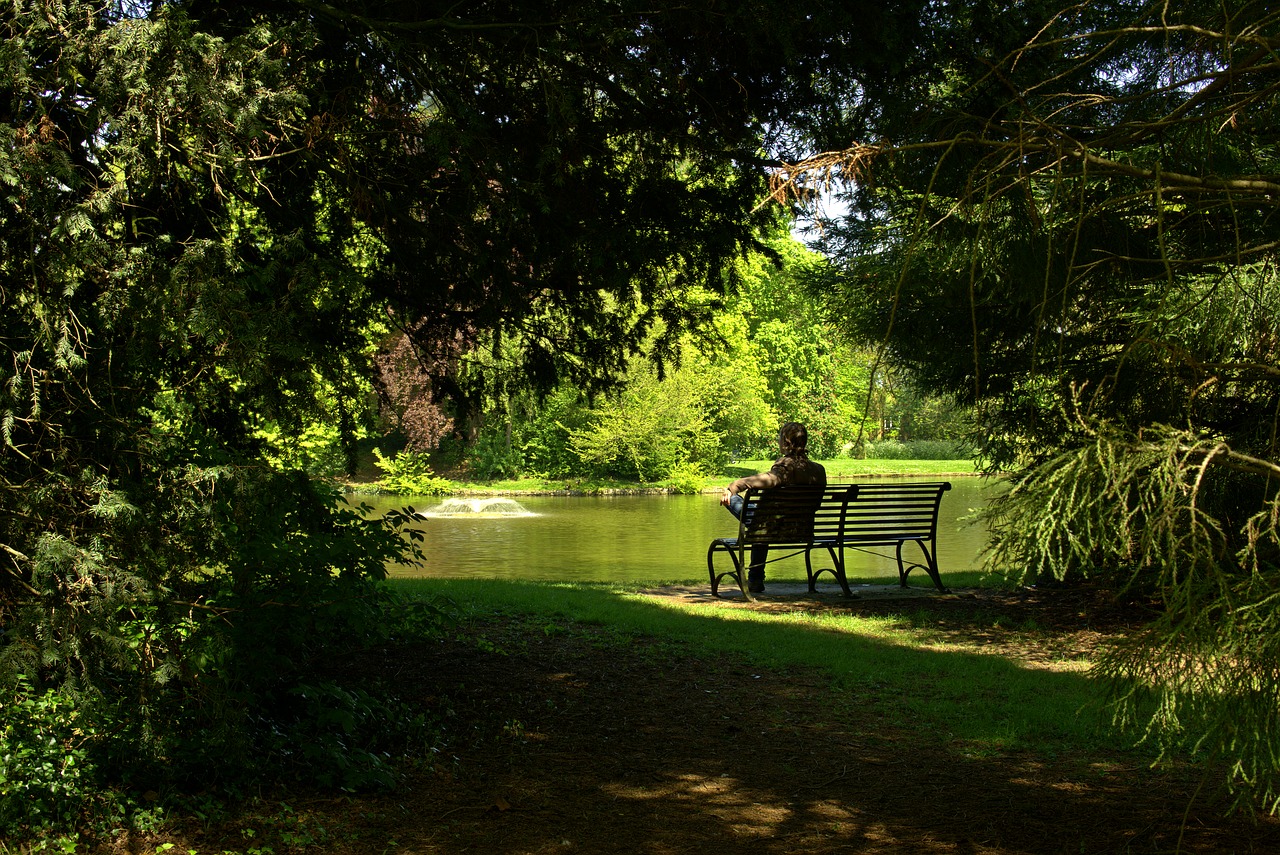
{"x": 649, "y": 538}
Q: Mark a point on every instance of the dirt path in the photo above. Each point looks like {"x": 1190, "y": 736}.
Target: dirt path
{"x": 580, "y": 745}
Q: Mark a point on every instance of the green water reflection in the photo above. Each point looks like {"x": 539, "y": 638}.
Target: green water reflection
{"x": 653, "y": 538}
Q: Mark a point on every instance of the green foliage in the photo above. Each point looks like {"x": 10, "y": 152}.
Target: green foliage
{"x": 194, "y": 688}
{"x": 621, "y": 187}
{"x": 317, "y": 451}
{"x": 773, "y": 326}
{"x": 542, "y": 434}
{"x": 336, "y": 736}
{"x": 47, "y": 776}
{"x": 686, "y": 478}
{"x": 773, "y": 359}
{"x": 652, "y": 428}
{"x": 324, "y": 445}
{"x": 892, "y": 449}
{"x": 770, "y": 358}
{"x": 1108, "y": 306}
{"x": 732, "y": 388}
{"x": 1185, "y": 521}
{"x": 493, "y": 456}
{"x": 409, "y": 473}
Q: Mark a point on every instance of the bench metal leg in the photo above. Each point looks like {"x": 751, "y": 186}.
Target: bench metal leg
{"x": 738, "y": 573}
{"x": 930, "y": 566}
{"x": 837, "y": 570}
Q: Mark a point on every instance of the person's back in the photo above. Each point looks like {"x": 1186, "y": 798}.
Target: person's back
{"x": 793, "y": 467}
{"x": 799, "y": 469}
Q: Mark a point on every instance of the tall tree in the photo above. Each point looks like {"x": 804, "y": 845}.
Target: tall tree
{"x": 1065, "y": 215}
{"x": 158, "y": 307}
{"x": 814, "y": 375}
{"x": 207, "y": 210}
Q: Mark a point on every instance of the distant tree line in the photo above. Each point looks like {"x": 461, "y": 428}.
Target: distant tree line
{"x": 767, "y": 356}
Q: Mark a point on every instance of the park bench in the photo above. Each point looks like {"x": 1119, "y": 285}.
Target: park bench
{"x": 835, "y": 518}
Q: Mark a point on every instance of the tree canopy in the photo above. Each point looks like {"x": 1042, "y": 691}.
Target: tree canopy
{"x": 1065, "y": 215}
{"x": 210, "y": 214}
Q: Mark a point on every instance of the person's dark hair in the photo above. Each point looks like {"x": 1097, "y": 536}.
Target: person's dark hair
{"x": 793, "y": 440}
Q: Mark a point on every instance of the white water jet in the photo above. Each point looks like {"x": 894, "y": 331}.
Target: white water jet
{"x": 478, "y": 509}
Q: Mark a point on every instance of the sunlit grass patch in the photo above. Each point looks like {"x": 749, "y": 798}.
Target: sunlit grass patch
{"x": 884, "y": 667}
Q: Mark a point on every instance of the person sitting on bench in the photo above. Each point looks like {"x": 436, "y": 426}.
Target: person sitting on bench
{"x": 792, "y": 467}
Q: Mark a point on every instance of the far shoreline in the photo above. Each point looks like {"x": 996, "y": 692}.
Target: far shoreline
{"x": 838, "y": 471}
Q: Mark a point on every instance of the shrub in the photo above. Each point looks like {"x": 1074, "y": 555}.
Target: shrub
{"x": 686, "y": 478}
{"x": 211, "y": 678}
{"x": 924, "y": 449}
{"x": 47, "y": 776}
{"x": 409, "y": 474}
{"x": 492, "y": 457}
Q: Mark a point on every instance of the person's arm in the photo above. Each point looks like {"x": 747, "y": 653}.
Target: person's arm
{"x": 764, "y": 480}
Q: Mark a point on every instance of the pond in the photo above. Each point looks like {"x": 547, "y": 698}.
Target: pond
{"x": 647, "y": 538}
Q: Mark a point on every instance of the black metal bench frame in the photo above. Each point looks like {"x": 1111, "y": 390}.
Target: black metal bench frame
{"x": 835, "y": 518}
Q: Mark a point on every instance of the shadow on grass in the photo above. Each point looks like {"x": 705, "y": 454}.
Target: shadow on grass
{"x": 740, "y": 471}
{"x": 780, "y": 736}
{"x": 969, "y": 696}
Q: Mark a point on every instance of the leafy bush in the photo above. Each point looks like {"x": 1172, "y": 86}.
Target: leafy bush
{"x": 219, "y": 685}
{"x": 649, "y": 431}
{"x": 47, "y": 778}
{"x": 67, "y": 765}
{"x": 328, "y": 734}
{"x": 886, "y": 449}
{"x": 925, "y": 449}
{"x": 543, "y": 435}
{"x": 317, "y": 449}
{"x": 686, "y": 478}
{"x": 493, "y": 457}
{"x": 409, "y": 474}
{"x": 343, "y": 733}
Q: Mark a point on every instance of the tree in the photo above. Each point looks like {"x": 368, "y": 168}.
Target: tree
{"x": 406, "y": 393}
{"x": 209, "y": 209}
{"x": 769, "y": 358}
{"x": 815, "y": 375}
{"x": 157, "y": 319}
{"x": 650, "y": 430}
{"x": 1064, "y": 215}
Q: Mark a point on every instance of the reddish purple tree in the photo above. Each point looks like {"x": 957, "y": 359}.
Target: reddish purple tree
{"x": 408, "y": 382}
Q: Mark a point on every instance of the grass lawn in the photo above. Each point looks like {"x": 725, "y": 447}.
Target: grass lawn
{"x": 960, "y": 684}
{"x": 841, "y": 469}
{"x": 607, "y": 718}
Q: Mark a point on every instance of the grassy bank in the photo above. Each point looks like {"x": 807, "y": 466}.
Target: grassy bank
{"x": 959, "y": 692}
{"x": 846, "y": 469}
{"x": 841, "y": 469}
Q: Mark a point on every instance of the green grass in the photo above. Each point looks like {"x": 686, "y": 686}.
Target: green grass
{"x": 842, "y": 469}
{"x": 962, "y": 696}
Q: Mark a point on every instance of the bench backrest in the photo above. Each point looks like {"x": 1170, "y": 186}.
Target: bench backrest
{"x": 894, "y": 511}
{"x": 798, "y": 514}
